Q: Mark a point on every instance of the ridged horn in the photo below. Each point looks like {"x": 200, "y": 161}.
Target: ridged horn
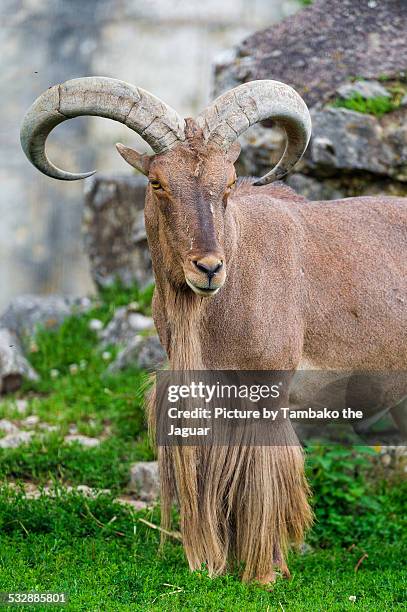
{"x": 236, "y": 110}
{"x": 156, "y": 122}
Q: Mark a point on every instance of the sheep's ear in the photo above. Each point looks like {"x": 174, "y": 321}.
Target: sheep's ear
{"x": 234, "y": 152}
{"x": 137, "y": 160}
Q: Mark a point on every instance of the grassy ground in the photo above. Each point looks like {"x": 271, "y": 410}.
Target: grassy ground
{"x": 105, "y": 558}
{"x": 70, "y": 544}
{"x": 97, "y": 404}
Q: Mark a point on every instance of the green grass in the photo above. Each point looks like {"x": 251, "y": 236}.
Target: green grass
{"x": 92, "y": 400}
{"x": 377, "y": 106}
{"x": 105, "y": 558}
{"x": 349, "y": 502}
{"x": 104, "y": 467}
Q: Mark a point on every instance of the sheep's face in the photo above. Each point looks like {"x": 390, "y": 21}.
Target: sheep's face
{"x": 186, "y": 203}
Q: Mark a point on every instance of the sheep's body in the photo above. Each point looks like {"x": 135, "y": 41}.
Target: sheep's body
{"x": 323, "y": 285}
{"x": 332, "y": 288}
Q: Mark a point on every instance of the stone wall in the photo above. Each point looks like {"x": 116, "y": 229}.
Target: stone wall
{"x": 166, "y": 47}
{"x": 113, "y": 228}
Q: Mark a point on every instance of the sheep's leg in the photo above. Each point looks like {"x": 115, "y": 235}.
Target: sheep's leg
{"x": 271, "y": 510}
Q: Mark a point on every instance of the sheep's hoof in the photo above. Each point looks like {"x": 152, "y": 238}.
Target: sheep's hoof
{"x": 285, "y": 571}
{"x": 267, "y": 579}
{"x": 270, "y": 578}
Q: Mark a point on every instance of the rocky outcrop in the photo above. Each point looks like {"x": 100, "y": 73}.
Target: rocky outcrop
{"x": 144, "y": 480}
{"x": 14, "y": 440}
{"x": 114, "y": 233}
{"x": 347, "y": 140}
{"x": 144, "y": 352}
{"x": 26, "y": 313}
{"x": 319, "y": 48}
{"x": 391, "y": 461}
{"x": 365, "y": 89}
{"x": 13, "y": 364}
{"x": 135, "y": 334}
{"x": 85, "y": 441}
{"x": 348, "y": 61}
{"x": 23, "y": 317}
{"x": 124, "y": 325}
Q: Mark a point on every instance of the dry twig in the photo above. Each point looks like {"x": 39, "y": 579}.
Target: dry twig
{"x": 362, "y": 558}
{"x": 171, "y": 534}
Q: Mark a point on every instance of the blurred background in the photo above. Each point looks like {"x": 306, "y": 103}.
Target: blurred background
{"x": 166, "y": 47}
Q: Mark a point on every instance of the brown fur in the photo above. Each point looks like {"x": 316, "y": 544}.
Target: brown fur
{"x": 321, "y": 282}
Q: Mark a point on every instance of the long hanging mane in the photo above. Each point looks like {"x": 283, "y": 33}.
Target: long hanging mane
{"x": 230, "y": 497}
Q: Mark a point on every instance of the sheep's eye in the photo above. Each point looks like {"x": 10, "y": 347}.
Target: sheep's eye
{"x": 232, "y": 184}
{"x": 155, "y": 185}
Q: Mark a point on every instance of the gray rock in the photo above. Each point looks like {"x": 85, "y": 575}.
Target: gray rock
{"x": 365, "y": 89}
{"x": 344, "y": 144}
{"x": 306, "y": 549}
{"x": 47, "y": 427}
{"x": 30, "y": 421}
{"x": 114, "y": 232}
{"x": 27, "y": 312}
{"x": 144, "y": 480}
{"x": 346, "y": 140}
{"x": 82, "y": 440}
{"x": 8, "y": 427}
{"x": 145, "y": 352}
{"x": 32, "y": 491}
{"x": 386, "y": 460}
{"x": 136, "y": 504}
{"x": 95, "y": 324}
{"x": 356, "y": 39}
{"x": 350, "y": 153}
{"x": 21, "y": 406}
{"x": 261, "y": 149}
{"x": 13, "y": 365}
{"x": 313, "y": 189}
{"x": 14, "y": 440}
{"x": 125, "y": 324}
{"x": 391, "y": 459}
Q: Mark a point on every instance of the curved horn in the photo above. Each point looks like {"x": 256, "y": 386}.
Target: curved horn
{"x": 157, "y": 123}
{"x": 236, "y": 110}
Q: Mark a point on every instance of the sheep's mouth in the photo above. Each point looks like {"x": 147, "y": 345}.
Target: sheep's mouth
{"x": 202, "y": 291}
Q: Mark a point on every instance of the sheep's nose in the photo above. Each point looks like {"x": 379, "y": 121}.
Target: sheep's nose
{"x": 210, "y": 265}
